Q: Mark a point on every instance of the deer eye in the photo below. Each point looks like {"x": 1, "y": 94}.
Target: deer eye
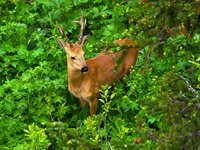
{"x": 73, "y": 58}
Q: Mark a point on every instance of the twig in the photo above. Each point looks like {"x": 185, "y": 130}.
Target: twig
{"x": 153, "y": 48}
{"x": 110, "y": 146}
{"x": 182, "y": 96}
{"x": 159, "y": 42}
{"x": 190, "y": 88}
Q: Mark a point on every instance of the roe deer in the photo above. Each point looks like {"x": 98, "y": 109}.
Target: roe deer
{"x": 85, "y": 77}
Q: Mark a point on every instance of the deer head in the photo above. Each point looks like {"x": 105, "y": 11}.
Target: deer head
{"x": 75, "y": 54}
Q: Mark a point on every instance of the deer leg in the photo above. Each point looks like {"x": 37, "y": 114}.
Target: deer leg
{"x": 93, "y": 106}
{"x": 82, "y": 102}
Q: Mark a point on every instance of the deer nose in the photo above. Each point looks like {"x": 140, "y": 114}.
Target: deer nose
{"x": 84, "y": 69}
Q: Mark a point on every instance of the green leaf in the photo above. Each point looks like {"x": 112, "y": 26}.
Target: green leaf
{"x": 151, "y": 119}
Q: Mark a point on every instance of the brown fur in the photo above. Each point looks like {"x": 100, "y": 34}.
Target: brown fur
{"x": 102, "y": 70}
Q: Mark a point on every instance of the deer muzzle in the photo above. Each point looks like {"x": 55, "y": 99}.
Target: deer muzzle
{"x": 84, "y": 69}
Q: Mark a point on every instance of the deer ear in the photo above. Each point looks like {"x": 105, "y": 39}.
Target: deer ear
{"x": 64, "y": 45}
{"x": 61, "y": 43}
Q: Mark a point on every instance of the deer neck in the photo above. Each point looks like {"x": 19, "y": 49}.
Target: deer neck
{"x": 75, "y": 77}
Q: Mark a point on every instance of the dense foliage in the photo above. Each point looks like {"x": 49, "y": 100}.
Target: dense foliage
{"x": 156, "y": 106}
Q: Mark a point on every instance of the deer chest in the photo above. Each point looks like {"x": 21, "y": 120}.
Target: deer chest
{"x": 81, "y": 92}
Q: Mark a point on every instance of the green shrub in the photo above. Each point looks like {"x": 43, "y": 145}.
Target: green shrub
{"x": 156, "y": 106}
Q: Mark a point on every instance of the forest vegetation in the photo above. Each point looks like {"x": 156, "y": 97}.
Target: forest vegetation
{"x": 156, "y": 106}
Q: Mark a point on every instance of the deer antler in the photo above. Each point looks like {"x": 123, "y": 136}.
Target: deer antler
{"x": 82, "y": 22}
{"x": 63, "y": 33}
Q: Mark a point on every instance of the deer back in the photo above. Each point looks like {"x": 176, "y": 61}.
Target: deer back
{"x": 109, "y": 67}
